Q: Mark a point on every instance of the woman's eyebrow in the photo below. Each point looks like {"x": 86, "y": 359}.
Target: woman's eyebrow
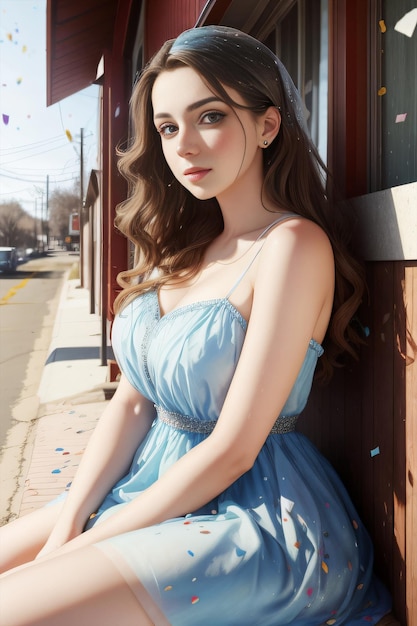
{"x": 193, "y": 106}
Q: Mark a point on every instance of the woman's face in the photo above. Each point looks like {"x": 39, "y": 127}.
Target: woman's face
{"x": 208, "y": 145}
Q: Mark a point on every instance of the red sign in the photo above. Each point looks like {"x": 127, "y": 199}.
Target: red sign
{"x": 74, "y": 224}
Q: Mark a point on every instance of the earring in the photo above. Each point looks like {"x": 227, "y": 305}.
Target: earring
{"x": 265, "y": 143}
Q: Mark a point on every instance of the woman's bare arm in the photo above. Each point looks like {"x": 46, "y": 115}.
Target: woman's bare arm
{"x": 121, "y": 428}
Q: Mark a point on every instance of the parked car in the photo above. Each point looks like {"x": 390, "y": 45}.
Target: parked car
{"x": 8, "y": 259}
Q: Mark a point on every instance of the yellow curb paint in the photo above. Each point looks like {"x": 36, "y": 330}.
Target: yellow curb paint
{"x": 13, "y": 291}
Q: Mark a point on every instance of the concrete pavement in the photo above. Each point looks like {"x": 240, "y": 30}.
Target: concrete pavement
{"x": 72, "y": 395}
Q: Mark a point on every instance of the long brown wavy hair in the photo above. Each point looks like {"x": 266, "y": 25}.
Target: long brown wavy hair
{"x": 171, "y": 229}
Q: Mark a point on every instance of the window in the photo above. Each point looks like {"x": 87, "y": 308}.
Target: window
{"x": 300, "y": 39}
{"x": 395, "y": 160}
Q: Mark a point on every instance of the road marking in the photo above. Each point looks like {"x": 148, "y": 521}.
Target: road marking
{"x": 13, "y": 291}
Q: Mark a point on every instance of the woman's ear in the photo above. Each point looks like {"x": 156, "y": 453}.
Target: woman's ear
{"x": 269, "y": 126}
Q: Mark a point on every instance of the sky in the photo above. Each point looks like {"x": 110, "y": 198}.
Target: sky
{"x": 37, "y": 141}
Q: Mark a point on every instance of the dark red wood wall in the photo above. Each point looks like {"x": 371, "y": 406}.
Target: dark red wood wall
{"x": 165, "y": 20}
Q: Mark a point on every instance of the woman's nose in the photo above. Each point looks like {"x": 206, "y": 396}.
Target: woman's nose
{"x": 187, "y": 143}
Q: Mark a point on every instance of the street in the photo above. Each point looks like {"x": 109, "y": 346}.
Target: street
{"x": 28, "y": 303}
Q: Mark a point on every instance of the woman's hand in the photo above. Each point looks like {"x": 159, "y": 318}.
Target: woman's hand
{"x": 60, "y": 536}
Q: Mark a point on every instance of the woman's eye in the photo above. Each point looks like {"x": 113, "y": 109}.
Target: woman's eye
{"x": 167, "y": 129}
{"x": 212, "y": 117}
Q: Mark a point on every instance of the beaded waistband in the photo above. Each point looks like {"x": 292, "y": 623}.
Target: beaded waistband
{"x": 283, "y": 425}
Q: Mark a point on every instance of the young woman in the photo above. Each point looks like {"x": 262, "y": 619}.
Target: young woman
{"x": 197, "y": 503}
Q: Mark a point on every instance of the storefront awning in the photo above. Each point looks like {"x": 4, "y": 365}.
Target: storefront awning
{"x": 78, "y": 32}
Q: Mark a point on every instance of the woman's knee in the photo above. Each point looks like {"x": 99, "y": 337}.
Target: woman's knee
{"x": 80, "y": 587}
{"x": 21, "y": 540}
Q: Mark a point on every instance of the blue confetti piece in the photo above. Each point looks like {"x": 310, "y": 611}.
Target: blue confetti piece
{"x": 56, "y": 471}
{"x": 190, "y": 552}
{"x": 375, "y": 451}
{"x": 59, "y": 449}
{"x": 240, "y": 552}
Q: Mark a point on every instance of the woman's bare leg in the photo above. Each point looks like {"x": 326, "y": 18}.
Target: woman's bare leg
{"x": 21, "y": 540}
{"x": 81, "y": 587}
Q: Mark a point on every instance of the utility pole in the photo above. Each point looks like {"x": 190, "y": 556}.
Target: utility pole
{"x": 47, "y": 212}
{"x": 35, "y": 228}
{"x": 81, "y": 219}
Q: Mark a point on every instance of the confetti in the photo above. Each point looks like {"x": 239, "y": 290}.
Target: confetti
{"x": 310, "y": 591}
{"x": 59, "y": 449}
{"x": 24, "y": 49}
{"x": 297, "y": 544}
{"x": 190, "y": 552}
{"x": 382, "y": 91}
{"x": 9, "y": 36}
{"x": 117, "y": 111}
{"x": 382, "y": 26}
{"x": 330, "y": 622}
{"x": 168, "y": 588}
{"x": 375, "y": 451}
{"x": 68, "y": 134}
{"x": 5, "y": 119}
{"x": 205, "y": 532}
{"x": 240, "y": 552}
{"x": 195, "y": 599}
{"x": 56, "y": 471}
{"x": 401, "y": 117}
{"x": 407, "y": 23}
{"x": 324, "y": 567}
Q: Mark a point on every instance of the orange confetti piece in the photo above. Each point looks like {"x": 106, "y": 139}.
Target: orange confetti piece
{"x": 297, "y": 544}
{"x": 382, "y": 26}
{"x": 68, "y": 134}
{"x": 9, "y": 36}
{"x": 195, "y": 599}
{"x": 382, "y": 91}
{"x": 168, "y": 588}
{"x": 330, "y": 622}
{"x": 360, "y": 586}
{"x": 324, "y": 567}
{"x": 355, "y": 524}
{"x": 204, "y": 532}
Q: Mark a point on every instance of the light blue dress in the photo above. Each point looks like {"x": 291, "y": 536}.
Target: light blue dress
{"x": 283, "y": 544}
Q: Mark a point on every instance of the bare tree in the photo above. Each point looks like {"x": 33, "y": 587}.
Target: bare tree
{"x": 16, "y": 225}
{"x": 62, "y": 203}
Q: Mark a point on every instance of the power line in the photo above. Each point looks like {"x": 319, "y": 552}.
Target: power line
{"x": 39, "y": 181}
{"x": 31, "y": 156}
{"x": 26, "y": 146}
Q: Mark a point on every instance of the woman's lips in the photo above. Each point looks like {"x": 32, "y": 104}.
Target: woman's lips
{"x": 196, "y": 174}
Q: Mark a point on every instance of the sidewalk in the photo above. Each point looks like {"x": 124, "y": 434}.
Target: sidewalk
{"x": 73, "y": 393}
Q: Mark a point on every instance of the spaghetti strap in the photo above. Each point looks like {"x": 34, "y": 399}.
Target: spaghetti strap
{"x": 281, "y": 218}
